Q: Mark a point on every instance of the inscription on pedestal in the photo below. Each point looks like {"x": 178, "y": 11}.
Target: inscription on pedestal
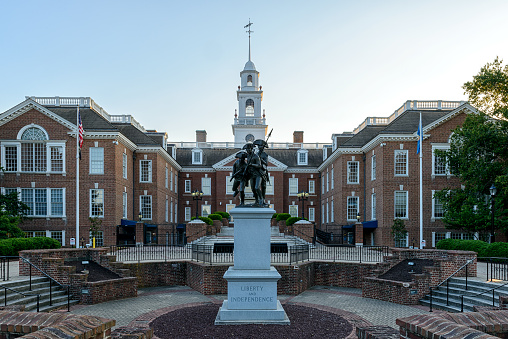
{"x": 260, "y": 295}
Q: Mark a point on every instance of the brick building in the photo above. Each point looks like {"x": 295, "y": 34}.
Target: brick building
{"x": 128, "y": 173}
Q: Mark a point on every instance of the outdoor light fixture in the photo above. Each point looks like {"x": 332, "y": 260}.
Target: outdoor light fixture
{"x": 197, "y": 195}
{"x": 358, "y": 217}
{"x": 493, "y": 191}
{"x": 140, "y": 216}
{"x": 302, "y": 196}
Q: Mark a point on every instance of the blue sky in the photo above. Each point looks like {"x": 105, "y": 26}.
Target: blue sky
{"x": 174, "y": 65}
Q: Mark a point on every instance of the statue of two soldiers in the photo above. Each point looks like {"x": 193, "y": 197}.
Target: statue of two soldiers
{"x": 251, "y": 167}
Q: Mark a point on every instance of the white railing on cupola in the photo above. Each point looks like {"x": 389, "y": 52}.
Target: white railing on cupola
{"x": 250, "y": 121}
{"x": 228, "y": 145}
{"x": 410, "y": 105}
{"x": 88, "y": 103}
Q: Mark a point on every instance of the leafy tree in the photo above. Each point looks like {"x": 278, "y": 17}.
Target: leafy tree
{"x": 478, "y": 155}
{"x": 12, "y": 211}
{"x": 399, "y": 230}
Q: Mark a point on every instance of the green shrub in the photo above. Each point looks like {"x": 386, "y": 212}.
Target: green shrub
{"x": 223, "y": 214}
{"x": 12, "y": 246}
{"x": 292, "y": 220}
{"x": 477, "y": 246}
{"x": 215, "y": 216}
{"x": 497, "y": 249}
{"x": 283, "y": 216}
{"x": 206, "y": 220}
{"x": 274, "y": 216}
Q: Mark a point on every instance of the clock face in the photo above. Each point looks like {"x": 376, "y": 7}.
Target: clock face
{"x": 249, "y": 137}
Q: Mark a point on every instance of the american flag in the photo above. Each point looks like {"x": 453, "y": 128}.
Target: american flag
{"x": 80, "y": 130}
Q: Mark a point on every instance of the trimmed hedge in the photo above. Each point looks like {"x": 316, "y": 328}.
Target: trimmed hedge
{"x": 223, "y": 214}
{"x": 206, "y": 220}
{"x": 274, "y": 216}
{"x": 283, "y": 216}
{"x": 12, "y": 246}
{"x": 292, "y": 220}
{"x": 497, "y": 249}
{"x": 215, "y": 216}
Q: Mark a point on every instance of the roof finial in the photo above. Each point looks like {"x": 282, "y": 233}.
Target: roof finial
{"x": 249, "y": 31}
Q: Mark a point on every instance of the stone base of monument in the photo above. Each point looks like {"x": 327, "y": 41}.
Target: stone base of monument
{"x": 252, "y": 298}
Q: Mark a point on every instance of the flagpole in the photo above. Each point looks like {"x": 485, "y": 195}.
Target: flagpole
{"x": 77, "y": 178}
{"x": 421, "y": 180}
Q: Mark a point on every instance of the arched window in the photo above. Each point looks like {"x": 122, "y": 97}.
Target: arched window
{"x": 249, "y": 80}
{"x": 33, "y": 133}
{"x": 249, "y": 108}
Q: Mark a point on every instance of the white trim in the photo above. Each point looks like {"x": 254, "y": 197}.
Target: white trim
{"x": 395, "y": 202}
{"x": 406, "y": 165}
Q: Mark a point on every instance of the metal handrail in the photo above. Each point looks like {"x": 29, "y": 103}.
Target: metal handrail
{"x": 23, "y": 294}
{"x": 457, "y": 271}
{"x": 477, "y": 294}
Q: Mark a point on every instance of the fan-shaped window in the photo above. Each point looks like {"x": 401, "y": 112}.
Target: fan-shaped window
{"x": 249, "y": 108}
{"x": 249, "y": 80}
{"x": 33, "y": 133}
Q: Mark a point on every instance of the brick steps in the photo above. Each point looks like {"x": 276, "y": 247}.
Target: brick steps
{"x": 457, "y": 288}
{"x": 40, "y": 286}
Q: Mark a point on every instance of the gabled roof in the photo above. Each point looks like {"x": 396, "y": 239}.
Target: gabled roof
{"x": 135, "y": 135}
{"x": 408, "y": 122}
{"x": 362, "y": 137}
{"x": 90, "y": 119}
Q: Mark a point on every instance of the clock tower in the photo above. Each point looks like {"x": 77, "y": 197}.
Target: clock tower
{"x": 249, "y": 122}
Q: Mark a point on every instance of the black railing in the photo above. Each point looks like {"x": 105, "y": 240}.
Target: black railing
{"x": 493, "y": 290}
{"x": 4, "y": 268}
{"x": 18, "y": 292}
{"x": 283, "y": 253}
{"x": 497, "y": 268}
{"x": 447, "y": 282}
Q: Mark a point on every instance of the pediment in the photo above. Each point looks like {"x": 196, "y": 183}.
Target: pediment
{"x": 227, "y": 164}
{"x": 27, "y": 106}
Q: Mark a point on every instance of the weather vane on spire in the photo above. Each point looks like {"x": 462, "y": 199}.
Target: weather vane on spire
{"x": 249, "y": 31}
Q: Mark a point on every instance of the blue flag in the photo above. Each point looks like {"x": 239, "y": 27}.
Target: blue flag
{"x": 419, "y": 133}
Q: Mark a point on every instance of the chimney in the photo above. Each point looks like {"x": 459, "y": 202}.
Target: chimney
{"x": 201, "y": 136}
{"x": 298, "y": 137}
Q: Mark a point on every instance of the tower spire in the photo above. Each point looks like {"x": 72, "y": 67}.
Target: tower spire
{"x": 249, "y": 31}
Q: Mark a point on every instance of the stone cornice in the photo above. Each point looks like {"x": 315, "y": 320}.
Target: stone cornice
{"x": 198, "y": 169}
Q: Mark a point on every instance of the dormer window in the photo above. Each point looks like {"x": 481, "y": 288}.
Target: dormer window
{"x": 302, "y": 157}
{"x": 249, "y": 108}
{"x": 249, "y": 80}
{"x": 197, "y": 156}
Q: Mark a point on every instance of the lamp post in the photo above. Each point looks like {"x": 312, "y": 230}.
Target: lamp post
{"x": 197, "y": 195}
{"x": 140, "y": 216}
{"x": 302, "y": 196}
{"x": 493, "y": 191}
{"x": 358, "y": 217}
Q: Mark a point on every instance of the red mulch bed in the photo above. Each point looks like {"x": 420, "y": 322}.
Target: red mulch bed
{"x": 198, "y": 322}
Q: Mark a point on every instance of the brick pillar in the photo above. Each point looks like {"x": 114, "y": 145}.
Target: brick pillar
{"x": 139, "y": 233}
{"x": 358, "y": 234}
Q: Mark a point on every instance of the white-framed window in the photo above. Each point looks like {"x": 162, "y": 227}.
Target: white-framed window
{"x": 402, "y": 242}
{"x": 327, "y": 181}
{"x": 57, "y": 235}
{"x": 229, "y": 185}
{"x": 322, "y": 183}
{"x": 124, "y": 205}
{"x": 96, "y": 160}
{"x": 352, "y": 208}
{"x": 331, "y": 179}
{"x": 197, "y": 156}
{"x": 187, "y": 188}
{"x": 439, "y": 166}
{"x": 99, "y": 239}
{"x": 293, "y": 186}
{"x": 145, "y": 203}
{"x": 400, "y": 162}
{"x": 176, "y": 183}
{"x": 373, "y": 206}
{"x": 33, "y": 234}
{"x": 171, "y": 212}
{"x": 312, "y": 215}
{"x": 170, "y": 180}
{"x": 206, "y": 186}
{"x": 323, "y": 213}
{"x": 293, "y": 210}
{"x": 401, "y": 204}
{"x": 206, "y": 210}
{"x": 269, "y": 186}
{"x": 312, "y": 186}
{"x": 332, "y": 218}
{"x": 327, "y": 212}
{"x": 302, "y": 156}
{"x": 187, "y": 213}
{"x": 145, "y": 171}
{"x": 32, "y": 152}
{"x": 97, "y": 203}
{"x": 166, "y": 215}
{"x": 176, "y": 212}
{"x": 437, "y": 207}
{"x": 373, "y": 167}
{"x": 353, "y": 173}
{"x": 166, "y": 178}
{"x": 124, "y": 165}
{"x": 42, "y": 202}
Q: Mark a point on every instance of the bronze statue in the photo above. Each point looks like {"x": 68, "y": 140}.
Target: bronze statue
{"x": 239, "y": 175}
